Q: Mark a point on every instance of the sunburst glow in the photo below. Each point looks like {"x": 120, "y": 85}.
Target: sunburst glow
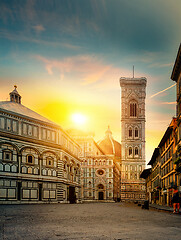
{"x": 79, "y": 119}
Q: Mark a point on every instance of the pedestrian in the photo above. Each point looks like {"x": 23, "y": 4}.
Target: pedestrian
{"x": 176, "y": 201}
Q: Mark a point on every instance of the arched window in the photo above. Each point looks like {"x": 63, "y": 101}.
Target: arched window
{"x": 136, "y": 132}
{"x": 130, "y": 151}
{"x": 68, "y": 169}
{"x": 49, "y": 162}
{"x": 100, "y": 186}
{"x": 30, "y": 159}
{"x": 7, "y": 155}
{"x": 65, "y": 160}
{"x": 136, "y": 151}
{"x": 64, "y": 166}
{"x": 130, "y": 132}
{"x": 133, "y": 109}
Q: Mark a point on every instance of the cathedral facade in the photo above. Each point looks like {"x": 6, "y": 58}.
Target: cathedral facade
{"x": 133, "y": 93}
{"x": 38, "y": 160}
{"x": 100, "y": 167}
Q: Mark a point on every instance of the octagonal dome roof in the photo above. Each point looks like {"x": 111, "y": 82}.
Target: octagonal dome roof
{"x": 109, "y": 145}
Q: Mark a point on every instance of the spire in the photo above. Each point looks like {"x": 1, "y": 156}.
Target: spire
{"x": 108, "y": 132}
{"x": 14, "y": 96}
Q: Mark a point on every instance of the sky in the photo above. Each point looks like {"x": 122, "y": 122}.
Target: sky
{"x": 67, "y": 57}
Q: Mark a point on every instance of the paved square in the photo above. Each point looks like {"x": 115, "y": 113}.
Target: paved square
{"x": 114, "y": 221}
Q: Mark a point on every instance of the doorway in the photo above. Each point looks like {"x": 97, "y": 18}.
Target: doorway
{"x": 40, "y": 192}
{"x": 19, "y": 191}
{"x": 101, "y": 196}
{"x": 72, "y": 195}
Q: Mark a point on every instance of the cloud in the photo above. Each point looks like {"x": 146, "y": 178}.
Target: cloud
{"x": 94, "y": 77}
{"x": 38, "y": 28}
{"x": 160, "y": 65}
{"x": 158, "y": 120}
{"x": 88, "y": 68}
{"x": 6, "y": 13}
{"x": 162, "y": 91}
{"x": 151, "y": 59}
{"x": 144, "y": 57}
{"x": 20, "y": 37}
{"x": 168, "y": 103}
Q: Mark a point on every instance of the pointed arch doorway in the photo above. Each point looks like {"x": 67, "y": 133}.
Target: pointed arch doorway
{"x": 101, "y": 196}
{"x": 100, "y": 192}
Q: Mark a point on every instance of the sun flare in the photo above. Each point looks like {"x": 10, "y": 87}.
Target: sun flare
{"x": 79, "y": 119}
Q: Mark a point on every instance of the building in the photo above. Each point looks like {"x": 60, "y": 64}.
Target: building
{"x": 165, "y": 173}
{"x": 162, "y": 177}
{"x": 38, "y": 159}
{"x": 146, "y": 174}
{"x": 176, "y": 76}
{"x": 112, "y": 149}
{"x": 155, "y": 177}
{"x": 167, "y": 166}
{"x": 133, "y": 93}
{"x": 100, "y": 169}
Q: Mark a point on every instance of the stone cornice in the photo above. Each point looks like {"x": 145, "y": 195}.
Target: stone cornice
{"x": 132, "y": 81}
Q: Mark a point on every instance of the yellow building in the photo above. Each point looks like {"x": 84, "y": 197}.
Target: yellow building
{"x": 162, "y": 177}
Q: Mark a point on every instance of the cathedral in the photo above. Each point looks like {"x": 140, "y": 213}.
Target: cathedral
{"x": 40, "y": 162}
{"x": 100, "y": 167}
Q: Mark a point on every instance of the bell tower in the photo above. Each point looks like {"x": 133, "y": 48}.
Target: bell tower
{"x": 133, "y": 93}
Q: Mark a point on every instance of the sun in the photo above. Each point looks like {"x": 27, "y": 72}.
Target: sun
{"x": 79, "y": 119}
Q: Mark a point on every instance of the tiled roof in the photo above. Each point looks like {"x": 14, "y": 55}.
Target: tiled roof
{"x": 154, "y": 156}
{"x": 22, "y": 110}
{"x": 145, "y": 173}
{"x": 109, "y": 145}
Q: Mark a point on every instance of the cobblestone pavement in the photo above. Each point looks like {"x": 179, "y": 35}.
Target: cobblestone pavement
{"x": 95, "y": 221}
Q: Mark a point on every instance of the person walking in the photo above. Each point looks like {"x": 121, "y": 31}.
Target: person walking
{"x": 176, "y": 201}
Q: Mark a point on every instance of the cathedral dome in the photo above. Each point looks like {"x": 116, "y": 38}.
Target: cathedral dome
{"x": 109, "y": 145}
